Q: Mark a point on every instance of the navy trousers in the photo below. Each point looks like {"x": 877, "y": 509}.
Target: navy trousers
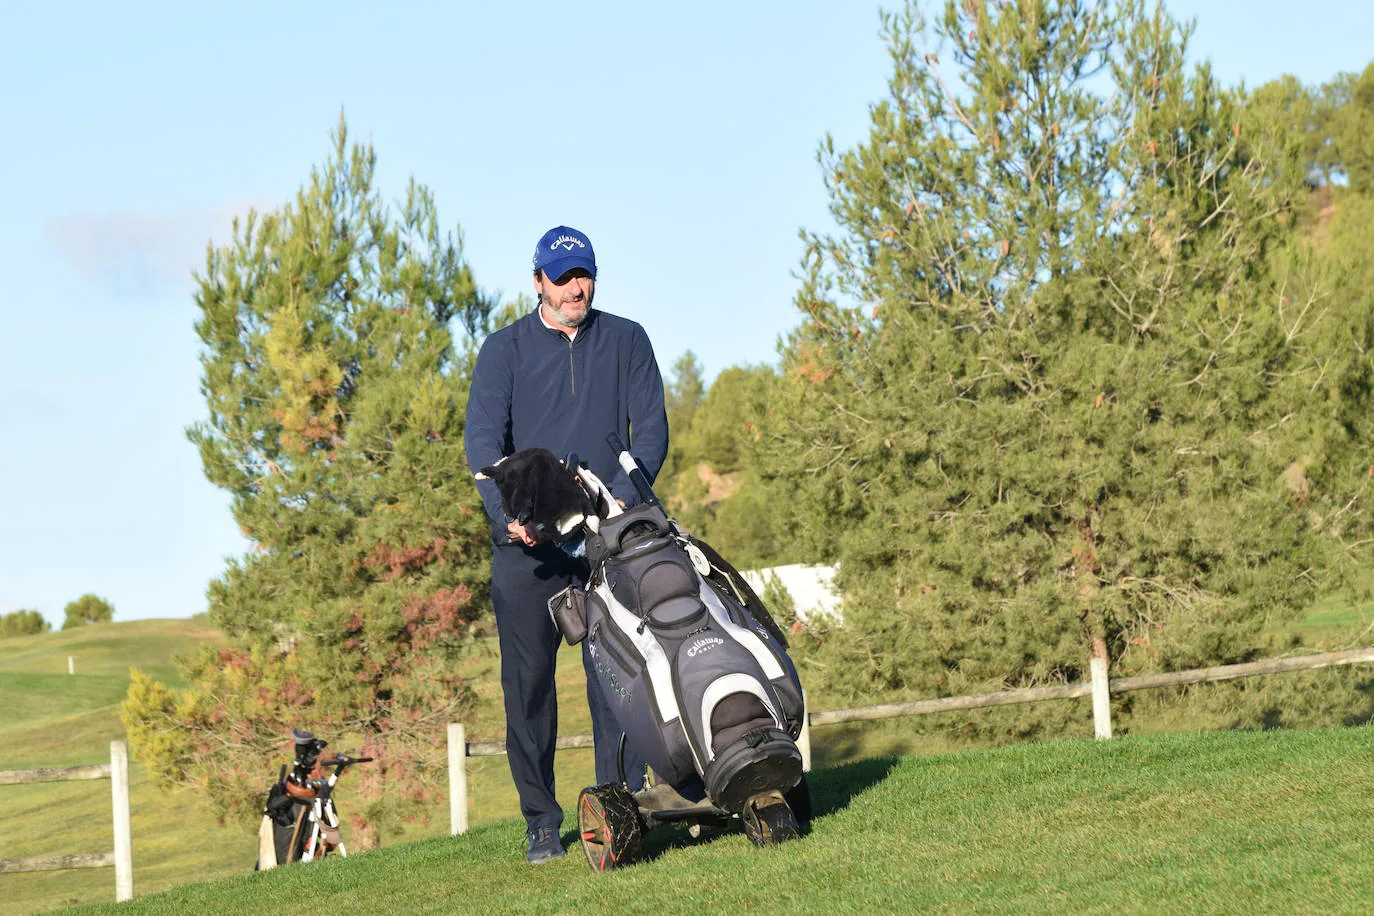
{"x": 523, "y": 579}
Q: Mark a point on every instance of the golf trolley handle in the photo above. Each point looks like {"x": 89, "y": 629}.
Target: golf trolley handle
{"x": 633, "y": 470}
{"x": 345, "y": 760}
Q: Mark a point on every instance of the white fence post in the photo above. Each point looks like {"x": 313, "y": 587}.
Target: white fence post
{"x": 1102, "y": 698}
{"x": 457, "y": 779}
{"x": 123, "y": 835}
{"x": 804, "y": 739}
{"x": 71, "y": 665}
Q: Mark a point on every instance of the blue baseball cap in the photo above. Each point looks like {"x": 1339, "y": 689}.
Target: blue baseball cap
{"x": 562, "y": 249}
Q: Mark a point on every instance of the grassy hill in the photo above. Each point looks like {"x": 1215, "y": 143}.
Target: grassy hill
{"x": 1230, "y": 822}
{"x": 55, "y": 719}
{"x": 52, "y": 719}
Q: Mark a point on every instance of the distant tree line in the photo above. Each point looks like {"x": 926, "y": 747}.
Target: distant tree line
{"x": 84, "y": 610}
{"x": 23, "y": 622}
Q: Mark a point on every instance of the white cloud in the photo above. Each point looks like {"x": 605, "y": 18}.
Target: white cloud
{"x": 141, "y": 253}
{"x": 27, "y": 404}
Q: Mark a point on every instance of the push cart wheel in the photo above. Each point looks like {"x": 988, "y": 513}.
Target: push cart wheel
{"x": 768, "y": 820}
{"x": 608, "y": 822}
{"x": 798, "y": 798}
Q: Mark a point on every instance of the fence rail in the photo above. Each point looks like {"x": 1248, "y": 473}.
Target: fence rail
{"x": 1099, "y": 688}
{"x": 1114, "y": 685}
{"x": 54, "y": 863}
{"x": 54, "y": 774}
{"x": 117, "y": 771}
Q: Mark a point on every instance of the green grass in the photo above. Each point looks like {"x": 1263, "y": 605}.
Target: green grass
{"x": 1342, "y": 619}
{"x": 51, "y": 719}
{"x": 1232, "y": 822}
{"x": 107, "y": 648}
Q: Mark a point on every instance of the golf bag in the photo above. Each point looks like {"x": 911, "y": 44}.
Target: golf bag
{"x": 285, "y": 827}
{"x": 695, "y": 668}
{"x": 280, "y": 833}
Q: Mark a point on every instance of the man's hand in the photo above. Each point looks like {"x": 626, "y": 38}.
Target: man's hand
{"x": 518, "y": 532}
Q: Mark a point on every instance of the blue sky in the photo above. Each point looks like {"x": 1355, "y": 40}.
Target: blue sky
{"x": 681, "y": 138}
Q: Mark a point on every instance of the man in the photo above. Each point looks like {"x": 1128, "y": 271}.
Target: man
{"x": 560, "y": 378}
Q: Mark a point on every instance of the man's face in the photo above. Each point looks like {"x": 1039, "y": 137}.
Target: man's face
{"x": 566, "y": 299}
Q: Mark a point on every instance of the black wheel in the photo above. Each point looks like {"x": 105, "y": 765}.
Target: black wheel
{"x": 608, "y": 822}
{"x": 768, "y": 820}
{"x": 798, "y": 798}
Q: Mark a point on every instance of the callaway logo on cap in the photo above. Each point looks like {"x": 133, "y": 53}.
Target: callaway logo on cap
{"x": 562, "y": 249}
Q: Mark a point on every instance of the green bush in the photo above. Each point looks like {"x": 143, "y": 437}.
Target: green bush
{"x": 88, "y": 609}
{"x": 22, "y": 623}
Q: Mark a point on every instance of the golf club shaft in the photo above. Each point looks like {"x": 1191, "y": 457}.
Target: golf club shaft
{"x": 632, "y": 468}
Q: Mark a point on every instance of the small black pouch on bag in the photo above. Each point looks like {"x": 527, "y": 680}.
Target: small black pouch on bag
{"x": 278, "y": 806}
{"x": 568, "y": 609}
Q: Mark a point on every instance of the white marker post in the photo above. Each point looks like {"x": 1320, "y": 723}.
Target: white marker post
{"x": 1102, "y": 698}
{"x": 123, "y": 835}
{"x": 457, "y": 779}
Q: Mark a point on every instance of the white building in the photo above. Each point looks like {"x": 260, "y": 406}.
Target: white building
{"x": 812, "y": 588}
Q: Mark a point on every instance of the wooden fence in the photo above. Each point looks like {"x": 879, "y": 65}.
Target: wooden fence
{"x": 117, "y": 771}
{"x": 1100, "y": 688}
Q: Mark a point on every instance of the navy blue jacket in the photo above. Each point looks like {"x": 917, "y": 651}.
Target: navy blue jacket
{"x": 532, "y": 387}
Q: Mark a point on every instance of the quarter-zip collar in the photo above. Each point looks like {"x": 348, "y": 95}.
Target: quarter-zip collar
{"x": 580, "y": 333}
{"x": 584, "y": 330}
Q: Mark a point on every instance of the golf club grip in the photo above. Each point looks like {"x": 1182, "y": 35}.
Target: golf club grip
{"x": 632, "y": 469}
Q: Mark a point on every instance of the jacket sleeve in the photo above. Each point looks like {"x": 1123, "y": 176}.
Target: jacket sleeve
{"x": 487, "y": 431}
{"x": 648, "y": 418}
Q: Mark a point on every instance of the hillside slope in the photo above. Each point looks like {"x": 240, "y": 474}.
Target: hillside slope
{"x": 51, "y": 718}
{"x": 1234, "y": 822}
{"x": 48, "y": 718}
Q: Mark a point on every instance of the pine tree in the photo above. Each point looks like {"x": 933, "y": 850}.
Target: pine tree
{"x": 717, "y": 487}
{"x": 1051, "y": 396}
{"x": 334, "y": 386}
{"x": 1346, "y": 133}
{"x": 683, "y": 392}
{"x": 685, "y": 389}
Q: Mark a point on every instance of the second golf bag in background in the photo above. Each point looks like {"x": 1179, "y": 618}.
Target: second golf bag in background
{"x": 299, "y": 820}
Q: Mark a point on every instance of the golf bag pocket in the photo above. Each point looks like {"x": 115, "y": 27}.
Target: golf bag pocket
{"x": 280, "y": 827}
{"x": 639, "y": 692}
{"x": 696, "y": 680}
{"x": 760, "y": 760}
{"x": 568, "y": 609}
{"x": 279, "y": 805}
{"x": 659, "y": 588}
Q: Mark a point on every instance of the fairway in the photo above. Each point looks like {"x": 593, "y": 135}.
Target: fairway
{"x": 975, "y": 803}
{"x": 51, "y": 718}
{"x": 1235, "y": 822}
